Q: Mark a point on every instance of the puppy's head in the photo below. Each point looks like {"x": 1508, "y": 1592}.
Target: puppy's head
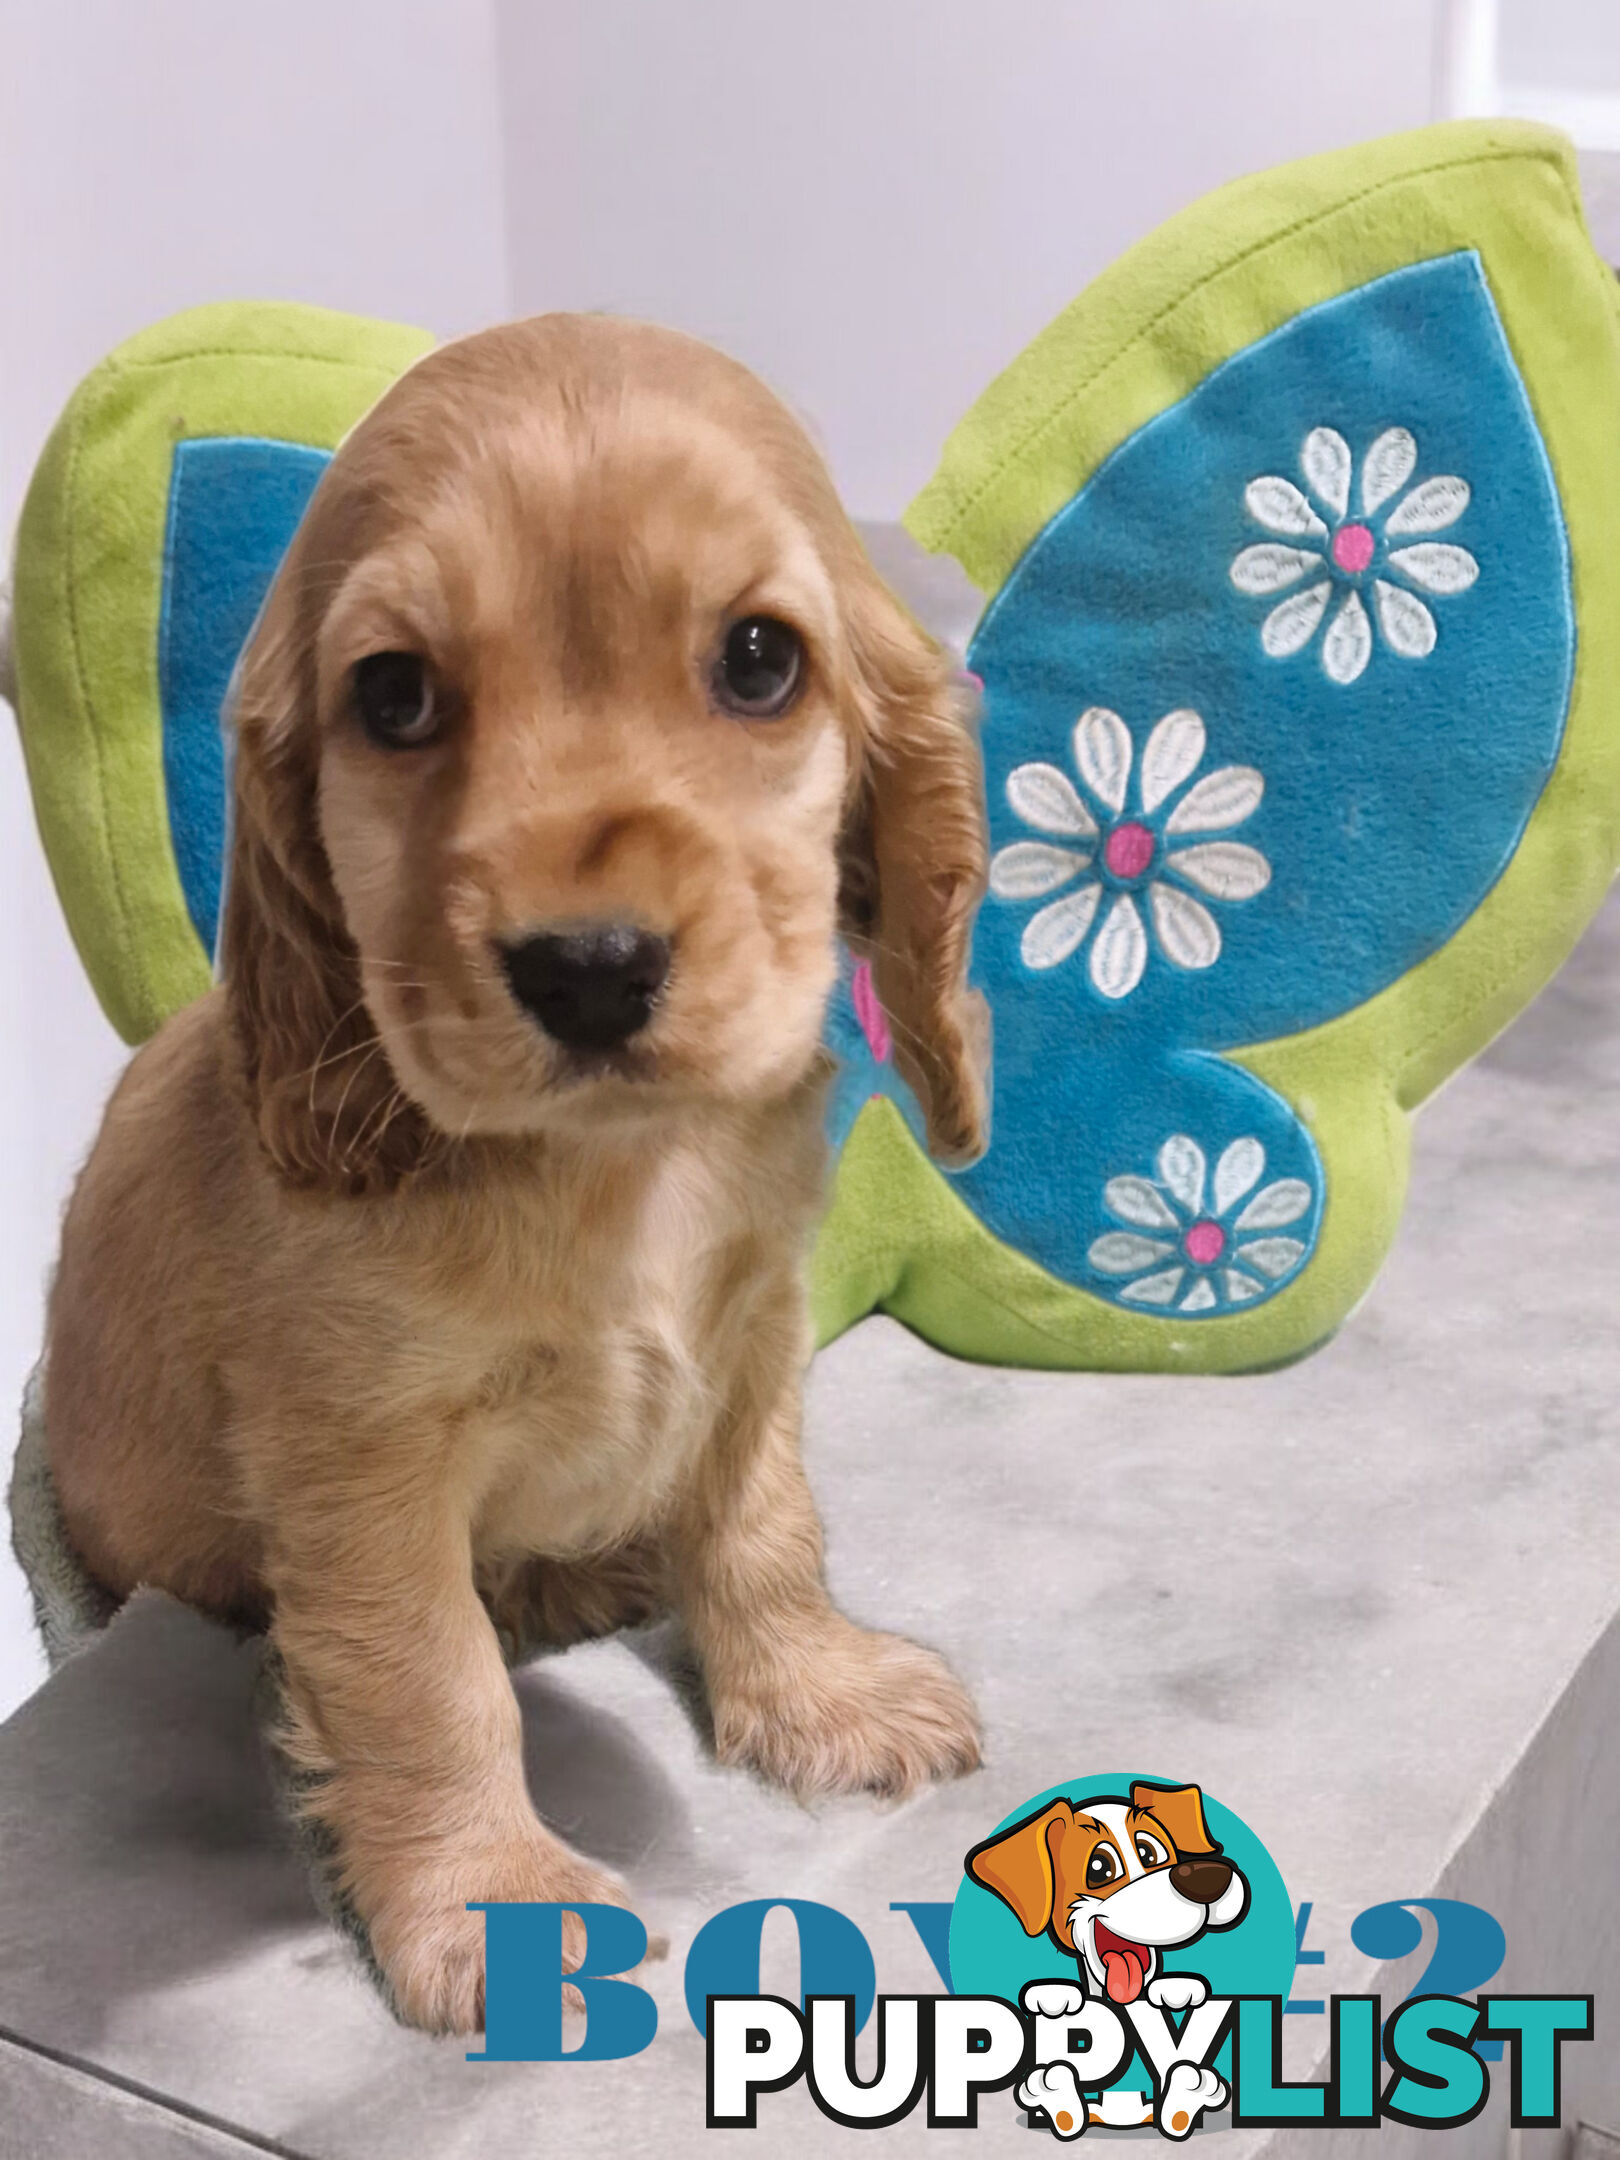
{"x": 574, "y": 727}
{"x": 1114, "y": 1882}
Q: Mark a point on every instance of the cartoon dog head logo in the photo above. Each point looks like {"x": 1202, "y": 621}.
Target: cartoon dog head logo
{"x": 1116, "y": 1882}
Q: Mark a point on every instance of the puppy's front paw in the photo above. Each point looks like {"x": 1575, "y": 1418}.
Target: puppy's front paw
{"x": 849, "y": 1711}
{"x": 1177, "y": 1991}
{"x": 430, "y": 1949}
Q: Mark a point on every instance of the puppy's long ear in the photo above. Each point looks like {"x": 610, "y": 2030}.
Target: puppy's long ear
{"x": 1019, "y": 1866}
{"x": 1178, "y": 1809}
{"x": 914, "y": 861}
{"x": 322, "y": 1093}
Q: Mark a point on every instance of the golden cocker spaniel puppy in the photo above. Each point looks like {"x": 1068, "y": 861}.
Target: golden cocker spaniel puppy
{"x": 440, "y": 1275}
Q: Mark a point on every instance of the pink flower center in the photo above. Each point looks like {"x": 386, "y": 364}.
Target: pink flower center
{"x": 1353, "y": 548}
{"x": 1204, "y": 1243}
{"x": 1129, "y": 850}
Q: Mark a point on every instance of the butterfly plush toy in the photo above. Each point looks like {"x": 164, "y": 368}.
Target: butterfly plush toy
{"x": 1299, "y": 535}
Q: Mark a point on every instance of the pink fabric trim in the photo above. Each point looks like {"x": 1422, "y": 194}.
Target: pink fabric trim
{"x": 869, "y": 1012}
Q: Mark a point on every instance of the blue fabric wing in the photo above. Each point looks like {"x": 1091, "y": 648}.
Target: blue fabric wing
{"x": 234, "y": 504}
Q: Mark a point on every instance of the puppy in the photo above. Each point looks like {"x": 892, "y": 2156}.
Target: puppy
{"x": 438, "y": 1280}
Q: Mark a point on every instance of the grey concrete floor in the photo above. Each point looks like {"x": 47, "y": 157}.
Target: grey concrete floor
{"x": 1362, "y": 1588}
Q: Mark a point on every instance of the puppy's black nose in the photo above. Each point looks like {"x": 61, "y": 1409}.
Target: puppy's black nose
{"x": 591, "y": 988}
{"x": 1202, "y": 1880}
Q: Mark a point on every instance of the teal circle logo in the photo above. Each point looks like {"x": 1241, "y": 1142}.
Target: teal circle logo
{"x": 1118, "y": 1884}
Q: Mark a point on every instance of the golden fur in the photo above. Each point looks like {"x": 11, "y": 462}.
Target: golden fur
{"x": 382, "y": 1323}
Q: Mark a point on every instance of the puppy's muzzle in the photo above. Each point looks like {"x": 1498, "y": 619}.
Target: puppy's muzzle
{"x": 1203, "y": 1881}
{"x": 590, "y": 988}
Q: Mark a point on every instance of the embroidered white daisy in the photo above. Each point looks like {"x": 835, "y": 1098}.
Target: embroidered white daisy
{"x": 1198, "y": 1243}
{"x": 1135, "y": 867}
{"x": 1365, "y": 555}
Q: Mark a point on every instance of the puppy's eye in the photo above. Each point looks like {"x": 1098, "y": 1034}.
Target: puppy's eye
{"x": 760, "y": 667}
{"x": 1150, "y": 1852}
{"x": 1101, "y": 1868}
{"x": 394, "y": 698}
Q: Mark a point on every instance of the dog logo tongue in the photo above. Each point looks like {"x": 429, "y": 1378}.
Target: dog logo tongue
{"x": 1124, "y": 1969}
{"x": 1125, "y": 1965}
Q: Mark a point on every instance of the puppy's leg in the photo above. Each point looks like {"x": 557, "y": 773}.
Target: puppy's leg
{"x": 798, "y": 1692}
{"x": 404, "y": 1723}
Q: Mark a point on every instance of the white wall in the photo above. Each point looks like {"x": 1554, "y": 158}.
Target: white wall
{"x": 153, "y": 156}
{"x": 876, "y": 202}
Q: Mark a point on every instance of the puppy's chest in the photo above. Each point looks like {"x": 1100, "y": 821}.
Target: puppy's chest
{"x": 585, "y": 1441}
{"x": 588, "y": 1418}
